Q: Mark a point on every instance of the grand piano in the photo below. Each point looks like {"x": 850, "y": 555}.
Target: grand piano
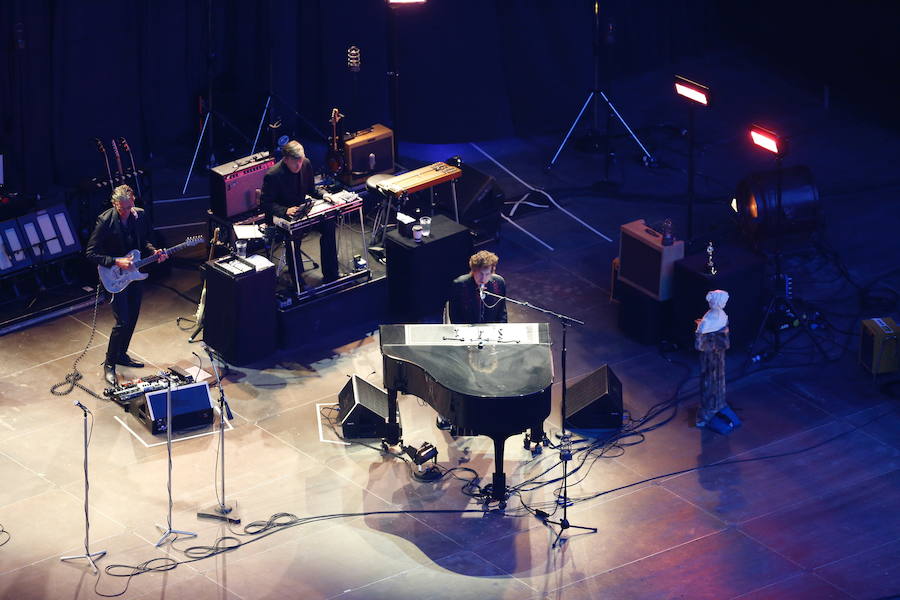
{"x": 491, "y": 379}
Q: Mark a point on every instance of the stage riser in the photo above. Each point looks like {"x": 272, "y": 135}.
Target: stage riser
{"x": 350, "y": 312}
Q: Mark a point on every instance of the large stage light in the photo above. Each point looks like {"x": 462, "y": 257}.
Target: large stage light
{"x": 768, "y": 140}
{"x": 756, "y": 203}
{"x": 692, "y": 90}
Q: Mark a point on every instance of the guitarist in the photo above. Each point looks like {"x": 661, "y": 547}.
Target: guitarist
{"x": 118, "y": 230}
{"x": 284, "y": 191}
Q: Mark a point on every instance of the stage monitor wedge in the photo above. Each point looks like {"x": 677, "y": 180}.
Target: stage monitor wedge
{"x": 595, "y": 401}
{"x": 363, "y": 409}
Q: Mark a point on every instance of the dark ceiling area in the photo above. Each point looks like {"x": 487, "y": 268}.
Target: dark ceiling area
{"x": 469, "y": 70}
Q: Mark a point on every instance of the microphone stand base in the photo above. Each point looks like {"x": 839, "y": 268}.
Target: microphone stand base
{"x": 563, "y": 525}
{"x": 167, "y": 533}
{"x": 88, "y": 556}
{"x": 220, "y": 512}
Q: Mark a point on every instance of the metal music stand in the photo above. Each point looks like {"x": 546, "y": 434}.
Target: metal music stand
{"x": 220, "y": 511}
{"x": 168, "y": 531}
{"x": 88, "y": 555}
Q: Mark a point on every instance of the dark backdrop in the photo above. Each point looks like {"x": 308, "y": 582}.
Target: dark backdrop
{"x": 470, "y": 69}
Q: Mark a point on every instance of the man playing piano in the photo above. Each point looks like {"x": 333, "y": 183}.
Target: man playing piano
{"x": 469, "y": 305}
{"x": 467, "y": 302}
{"x": 288, "y": 191}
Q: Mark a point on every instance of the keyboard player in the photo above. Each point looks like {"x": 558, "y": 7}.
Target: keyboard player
{"x": 467, "y": 304}
{"x": 288, "y": 191}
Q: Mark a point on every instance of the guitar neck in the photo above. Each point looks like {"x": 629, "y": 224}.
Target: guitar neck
{"x": 172, "y": 250}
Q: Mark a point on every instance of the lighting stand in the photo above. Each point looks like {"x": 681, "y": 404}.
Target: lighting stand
{"x": 168, "y": 531}
{"x": 220, "y": 511}
{"x": 565, "y": 451}
{"x": 88, "y": 555}
{"x": 781, "y": 297}
{"x": 691, "y": 174}
{"x": 594, "y": 95}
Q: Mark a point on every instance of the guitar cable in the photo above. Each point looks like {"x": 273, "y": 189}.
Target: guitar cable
{"x": 74, "y": 376}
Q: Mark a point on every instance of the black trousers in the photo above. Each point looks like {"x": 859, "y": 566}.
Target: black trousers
{"x": 327, "y": 248}
{"x": 126, "y": 308}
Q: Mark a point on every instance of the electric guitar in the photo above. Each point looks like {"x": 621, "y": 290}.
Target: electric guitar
{"x": 115, "y": 279}
{"x": 334, "y": 161}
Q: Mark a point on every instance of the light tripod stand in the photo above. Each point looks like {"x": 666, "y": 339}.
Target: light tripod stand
{"x": 595, "y": 95}
{"x": 88, "y": 555}
{"x": 565, "y": 449}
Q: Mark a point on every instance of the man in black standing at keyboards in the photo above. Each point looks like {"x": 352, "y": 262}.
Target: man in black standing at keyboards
{"x": 288, "y": 191}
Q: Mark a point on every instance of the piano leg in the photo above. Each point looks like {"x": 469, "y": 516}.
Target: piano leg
{"x": 392, "y": 427}
{"x": 498, "y": 487}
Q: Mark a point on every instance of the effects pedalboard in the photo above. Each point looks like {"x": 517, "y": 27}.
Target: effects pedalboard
{"x": 128, "y": 390}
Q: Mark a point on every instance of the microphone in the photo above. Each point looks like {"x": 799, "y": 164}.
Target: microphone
{"x": 371, "y": 161}
{"x": 81, "y": 406}
{"x": 481, "y": 291}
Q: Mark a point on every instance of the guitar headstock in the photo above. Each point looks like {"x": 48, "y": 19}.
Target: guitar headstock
{"x": 100, "y": 146}
{"x": 124, "y": 143}
{"x": 335, "y": 116}
{"x": 194, "y": 240}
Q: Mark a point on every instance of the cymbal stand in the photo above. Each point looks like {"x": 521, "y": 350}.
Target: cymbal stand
{"x": 88, "y": 555}
{"x": 565, "y": 446}
{"x": 167, "y": 532}
{"x": 220, "y": 511}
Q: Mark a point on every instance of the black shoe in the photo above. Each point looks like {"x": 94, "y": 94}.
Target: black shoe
{"x": 127, "y": 361}
{"x": 442, "y": 423}
{"x": 109, "y": 374}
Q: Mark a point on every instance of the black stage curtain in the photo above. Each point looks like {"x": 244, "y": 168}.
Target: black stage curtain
{"x": 469, "y": 70}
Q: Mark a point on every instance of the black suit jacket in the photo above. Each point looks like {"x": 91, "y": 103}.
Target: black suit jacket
{"x": 282, "y": 189}
{"x": 107, "y": 241}
{"x": 465, "y": 302}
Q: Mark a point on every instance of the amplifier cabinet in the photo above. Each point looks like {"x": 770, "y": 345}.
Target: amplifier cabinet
{"x": 878, "y": 346}
{"x": 645, "y": 263}
{"x": 368, "y": 152}
{"x": 233, "y": 185}
{"x": 239, "y": 320}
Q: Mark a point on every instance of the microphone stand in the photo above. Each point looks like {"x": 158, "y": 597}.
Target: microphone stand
{"x": 565, "y": 449}
{"x": 220, "y": 511}
{"x": 168, "y": 531}
{"x": 87, "y": 521}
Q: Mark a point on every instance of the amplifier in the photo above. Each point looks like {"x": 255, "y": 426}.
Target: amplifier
{"x": 192, "y": 408}
{"x": 878, "y": 346}
{"x": 233, "y": 185}
{"x": 368, "y": 152}
{"x": 645, "y": 263}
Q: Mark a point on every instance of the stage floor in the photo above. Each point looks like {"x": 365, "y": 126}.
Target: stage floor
{"x": 803, "y": 500}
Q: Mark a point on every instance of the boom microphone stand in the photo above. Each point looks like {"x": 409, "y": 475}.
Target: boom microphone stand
{"x": 168, "y": 531}
{"x": 220, "y": 511}
{"x": 565, "y": 449}
{"x": 88, "y": 555}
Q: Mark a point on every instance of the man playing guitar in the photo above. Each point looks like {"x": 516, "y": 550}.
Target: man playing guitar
{"x": 118, "y": 230}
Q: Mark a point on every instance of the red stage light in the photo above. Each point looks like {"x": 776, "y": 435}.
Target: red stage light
{"x": 692, "y": 90}
{"x": 767, "y": 139}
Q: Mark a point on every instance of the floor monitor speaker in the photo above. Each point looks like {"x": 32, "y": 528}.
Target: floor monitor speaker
{"x": 191, "y": 408}
{"x": 595, "y": 401}
{"x": 363, "y": 409}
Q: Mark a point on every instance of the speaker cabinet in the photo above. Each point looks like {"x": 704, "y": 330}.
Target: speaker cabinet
{"x": 479, "y": 201}
{"x": 363, "y": 409}
{"x": 239, "y": 320}
{"x": 367, "y": 153}
{"x": 595, "y": 401}
{"x": 878, "y": 346}
{"x": 644, "y": 262}
{"x": 233, "y": 185}
{"x": 192, "y": 408}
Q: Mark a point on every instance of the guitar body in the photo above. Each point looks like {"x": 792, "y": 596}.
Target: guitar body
{"x": 334, "y": 160}
{"x": 115, "y": 279}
